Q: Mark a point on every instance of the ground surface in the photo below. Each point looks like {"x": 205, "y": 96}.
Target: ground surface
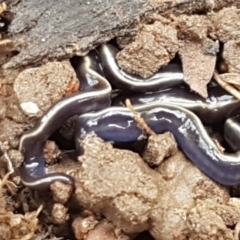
{"x": 162, "y": 193}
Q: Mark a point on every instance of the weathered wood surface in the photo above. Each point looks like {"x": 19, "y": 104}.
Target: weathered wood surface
{"x": 58, "y": 29}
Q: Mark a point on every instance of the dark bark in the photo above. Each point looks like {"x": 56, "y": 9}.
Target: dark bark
{"x": 58, "y": 29}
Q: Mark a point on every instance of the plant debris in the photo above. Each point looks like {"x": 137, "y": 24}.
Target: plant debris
{"x": 140, "y": 121}
{"x": 16, "y": 226}
{"x": 224, "y": 84}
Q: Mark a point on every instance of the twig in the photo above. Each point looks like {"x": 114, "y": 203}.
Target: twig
{"x": 226, "y": 86}
{"x": 141, "y": 123}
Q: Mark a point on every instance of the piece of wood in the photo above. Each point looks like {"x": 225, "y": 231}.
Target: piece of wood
{"x": 59, "y": 29}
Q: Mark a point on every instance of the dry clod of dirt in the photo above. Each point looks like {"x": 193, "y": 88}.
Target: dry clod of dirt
{"x": 10, "y": 132}
{"x": 14, "y": 111}
{"x": 231, "y": 53}
{"x": 82, "y": 225}
{"x": 59, "y": 214}
{"x": 105, "y": 230}
{"x": 226, "y": 24}
{"x": 185, "y": 186}
{"x": 61, "y": 192}
{"x": 66, "y": 165}
{"x": 51, "y": 152}
{"x": 152, "y": 155}
{"x": 192, "y": 27}
{"x": 230, "y": 213}
{"x": 154, "y": 46}
{"x": 40, "y": 87}
{"x": 117, "y": 184}
{"x": 208, "y": 221}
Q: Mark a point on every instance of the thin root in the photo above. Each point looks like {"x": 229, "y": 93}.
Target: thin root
{"x": 220, "y": 147}
{"x": 226, "y": 86}
{"x": 3, "y": 7}
{"x": 39, "y": 210}
{"x": 141, "y": 123}
{"x": 5, "y": 42}
{"x": 10, "y": 167}
{"x": 11, "y": 170}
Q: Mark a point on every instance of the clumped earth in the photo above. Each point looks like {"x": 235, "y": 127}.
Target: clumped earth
{"x": 120, "y": 194}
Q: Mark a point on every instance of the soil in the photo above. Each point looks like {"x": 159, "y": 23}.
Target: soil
{"x": 156, "y": 193}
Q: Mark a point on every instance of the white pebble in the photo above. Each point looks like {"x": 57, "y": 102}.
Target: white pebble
{"x": 30, "y": 108}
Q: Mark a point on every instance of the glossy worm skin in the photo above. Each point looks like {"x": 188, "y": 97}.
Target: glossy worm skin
{"x": 94, "y": 96}
{"x": 169, "y": 76}
{"x": 32, "y": 172}
{"x": 117, "y": 124}
{"x": 232, "y": 132}
{"x": 217, "y": 107}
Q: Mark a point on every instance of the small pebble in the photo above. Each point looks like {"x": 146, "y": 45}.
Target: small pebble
{"x": 30, "y": 108}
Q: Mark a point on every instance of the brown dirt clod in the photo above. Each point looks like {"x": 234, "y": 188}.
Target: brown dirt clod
{"x": 231, "y": 54}
{"x": 42, "y": 86}
{"x": 51, "y": 152}
{"x": 154, "y": 46}
{"x": 61, "y": 192}
{"x": 82, "y": 225}
{"x": 59, "y": 213}
{"x": 105, "y": 230}
{"x": 154, "y": 154}
{"x": 129, "y": 203}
